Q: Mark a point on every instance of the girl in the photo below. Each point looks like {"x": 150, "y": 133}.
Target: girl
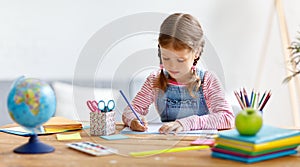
{"x": 184, "y": 96}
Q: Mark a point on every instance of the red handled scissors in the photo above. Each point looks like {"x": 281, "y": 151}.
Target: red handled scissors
{"x": 93, "y": 105}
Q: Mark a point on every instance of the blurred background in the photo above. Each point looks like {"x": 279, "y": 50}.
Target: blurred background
{"x": 246, "y": 45}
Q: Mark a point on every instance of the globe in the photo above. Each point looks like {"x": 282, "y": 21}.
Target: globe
{"x": 31, "y": 102}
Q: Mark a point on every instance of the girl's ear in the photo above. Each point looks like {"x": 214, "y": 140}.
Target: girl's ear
{"x": 197, "y": 54}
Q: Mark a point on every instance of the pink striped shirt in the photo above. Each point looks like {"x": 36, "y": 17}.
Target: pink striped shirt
{"x": 220, "y": 112}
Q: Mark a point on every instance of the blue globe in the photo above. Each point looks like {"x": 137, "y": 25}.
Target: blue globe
{"x": 31, "y": 102}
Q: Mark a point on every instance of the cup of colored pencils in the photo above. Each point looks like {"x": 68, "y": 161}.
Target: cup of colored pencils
{"x": 256, "y": 100}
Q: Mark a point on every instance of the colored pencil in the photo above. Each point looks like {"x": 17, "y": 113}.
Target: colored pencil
{"x": 242, "y": 98}
{"x": 251, "y": 99}
{"x": 246, "y": 97}
{"x": 239, "y": 99}
{"x": 132, "y": 109}
{"x": 265, "y": 101}
{"x": 257, "y": 100}
{"x": 262, "y": 98}
{"x": 253, "y": 103}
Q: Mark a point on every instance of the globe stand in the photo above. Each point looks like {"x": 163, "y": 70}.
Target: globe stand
{"x": 34, "y": 146}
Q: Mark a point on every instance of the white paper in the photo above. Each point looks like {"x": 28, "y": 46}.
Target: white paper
{"x": 153, "y": 129}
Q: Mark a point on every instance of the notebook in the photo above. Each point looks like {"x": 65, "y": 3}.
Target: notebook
{"x": 254, "y": 159}
{"x": 224, "y": 151}
{"x": 153, "y": 129}
{"x": 62, "y": 123}
{"x": 114, "y": 137}
{"x": 54, "y": 125}
{"x": 203, "y": 141}
{"x": 254, "y": 153}
{"x": 266, "y": 134}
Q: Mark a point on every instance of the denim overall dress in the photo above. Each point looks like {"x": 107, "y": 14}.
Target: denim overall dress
{"x": 177, "y": 103}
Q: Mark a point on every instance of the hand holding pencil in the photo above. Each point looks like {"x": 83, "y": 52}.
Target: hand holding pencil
{"x": 137, "y": 126}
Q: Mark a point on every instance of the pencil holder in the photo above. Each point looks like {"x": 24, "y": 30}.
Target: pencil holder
{"x": 102, "y": 123}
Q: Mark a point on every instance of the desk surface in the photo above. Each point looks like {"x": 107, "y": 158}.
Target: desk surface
{"x": 64, "y": 156}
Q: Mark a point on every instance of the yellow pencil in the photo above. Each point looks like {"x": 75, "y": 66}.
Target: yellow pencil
{"x": 178, "y": 149}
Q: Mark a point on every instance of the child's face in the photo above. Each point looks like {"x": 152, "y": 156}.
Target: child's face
{"x": 178, "y": 63}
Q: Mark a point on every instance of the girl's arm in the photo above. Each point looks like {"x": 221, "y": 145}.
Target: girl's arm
{"x": 141, "y": 101}
{"x": 220, "y": 111}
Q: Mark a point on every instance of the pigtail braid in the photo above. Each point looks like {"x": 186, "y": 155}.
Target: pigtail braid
{"x": 195, "y": 83}
{"x": 162, "y": 81}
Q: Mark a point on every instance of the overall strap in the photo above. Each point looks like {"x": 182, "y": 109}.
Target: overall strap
{"x": 201, "y": 74}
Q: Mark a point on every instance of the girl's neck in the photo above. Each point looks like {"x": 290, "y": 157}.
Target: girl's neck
{"x": 183, "y": 81}
{"x": 174, "y": 82}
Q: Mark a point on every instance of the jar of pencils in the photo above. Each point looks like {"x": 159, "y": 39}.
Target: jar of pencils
{"x": 256, "y": 100}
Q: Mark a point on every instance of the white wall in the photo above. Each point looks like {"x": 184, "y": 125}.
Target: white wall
{"x": 44, "y": 39}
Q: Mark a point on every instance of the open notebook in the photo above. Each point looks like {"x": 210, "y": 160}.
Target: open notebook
{"x": 54, "y": 125}
{"x": 154, "y": 127}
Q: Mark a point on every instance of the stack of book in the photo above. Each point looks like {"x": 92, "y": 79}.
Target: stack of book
{"x": 270, "y": 142}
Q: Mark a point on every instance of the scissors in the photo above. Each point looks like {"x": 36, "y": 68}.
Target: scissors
{"x": 93, "y": 105}
{"x": 106, "y": 108}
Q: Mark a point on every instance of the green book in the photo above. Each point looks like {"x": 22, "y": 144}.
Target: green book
{"x": 256, "y": 153}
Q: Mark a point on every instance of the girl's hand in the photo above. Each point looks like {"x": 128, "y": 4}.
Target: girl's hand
{"x": 137, "y": 126}
{"x": 171, "y": 126}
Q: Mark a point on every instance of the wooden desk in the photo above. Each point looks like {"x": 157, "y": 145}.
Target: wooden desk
{"x": 64, "y": 156}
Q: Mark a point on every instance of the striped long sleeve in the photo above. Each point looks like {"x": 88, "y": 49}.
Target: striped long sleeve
{"x": 220, "y": 112}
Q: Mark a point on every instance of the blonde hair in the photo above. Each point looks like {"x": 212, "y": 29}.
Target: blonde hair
{"x": 181, "y": 31}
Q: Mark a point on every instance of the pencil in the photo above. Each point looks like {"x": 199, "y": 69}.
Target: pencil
{"x": 242, "y": 98}
{"x": 178, "y": 149}
{"x": 251, "y": 99}
{"x": 262, "y": 98}
{"x": 257, "y": 100}
{"x": 265, "y": 101}
{"x": 239, "y": 99}
{"x": 246, "y": 98}
{"x": 131, "y": 108}
{"x": 253, "y": 102}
